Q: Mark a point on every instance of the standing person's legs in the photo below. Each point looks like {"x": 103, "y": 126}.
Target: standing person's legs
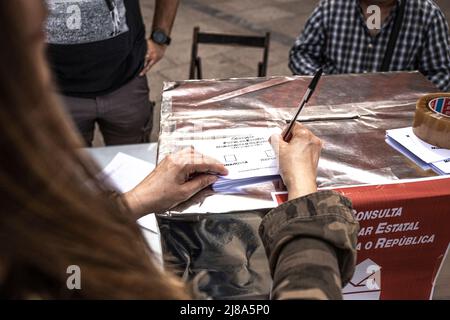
{"x": 126, "y": 115}
{"x": 83, "y": 113}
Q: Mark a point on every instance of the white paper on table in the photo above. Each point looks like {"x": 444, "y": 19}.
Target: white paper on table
{"x": 443, "y": 166}
{"x": 421, "y": 149}
{"x": 246, "y": 153}
{"x": 124, "y": 173}
{"x": 154, "y": 242}
{"x": 394, "y": 144}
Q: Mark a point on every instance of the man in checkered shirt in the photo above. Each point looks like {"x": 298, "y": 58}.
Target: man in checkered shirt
{"x": 337, "y": 37}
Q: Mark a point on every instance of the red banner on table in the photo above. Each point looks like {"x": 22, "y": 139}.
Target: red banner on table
{"x": 403, "y": 240}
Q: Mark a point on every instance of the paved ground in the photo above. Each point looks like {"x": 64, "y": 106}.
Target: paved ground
{"x": 284, "y": 18}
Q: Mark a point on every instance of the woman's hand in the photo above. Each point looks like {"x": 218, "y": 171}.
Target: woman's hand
{"x": 298, "y": 160}
{"x": 176, "y": 179}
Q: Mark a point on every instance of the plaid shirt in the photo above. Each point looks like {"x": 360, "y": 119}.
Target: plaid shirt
{"x": 336, "y": 38}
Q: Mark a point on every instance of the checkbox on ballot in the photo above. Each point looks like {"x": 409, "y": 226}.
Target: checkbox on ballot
{"x": 230, "y": 158}
{"x": 270, "y": 153}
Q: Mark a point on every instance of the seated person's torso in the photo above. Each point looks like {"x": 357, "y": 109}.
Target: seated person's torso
{"x": 353, "y": 48}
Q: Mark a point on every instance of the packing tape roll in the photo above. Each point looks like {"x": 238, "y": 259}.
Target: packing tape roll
{"x": 432, "y": 119}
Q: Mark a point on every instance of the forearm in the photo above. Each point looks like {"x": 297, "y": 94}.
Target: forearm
{"x": 311, "y": 246}
{"x": 301, "y": 187}
{"x": 122, "y": 202}
{"x": 128, "y": 203}
{"x": 306, "y": 55}
{"x": 132, "y": 203}
{"x": 302, "y": 61}
{"x": 143, "y": 200}
{"x": 164, "y": 15}
{"x": 307, "y": 268}
{"x": 435, "y": 58}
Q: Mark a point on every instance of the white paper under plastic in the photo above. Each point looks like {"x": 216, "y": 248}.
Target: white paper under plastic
{"x": 423, "y": 154}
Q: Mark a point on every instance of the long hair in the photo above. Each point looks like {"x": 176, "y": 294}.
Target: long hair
{"x": 54, "y": 213}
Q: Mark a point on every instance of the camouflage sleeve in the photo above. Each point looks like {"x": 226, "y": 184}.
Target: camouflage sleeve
{"x": 311, "y": 246}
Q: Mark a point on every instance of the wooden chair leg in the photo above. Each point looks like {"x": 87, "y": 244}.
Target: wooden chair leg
{"x": 260, "y": 70}
{"x": 199, "y": 68}
{"x": 194, "y": 53}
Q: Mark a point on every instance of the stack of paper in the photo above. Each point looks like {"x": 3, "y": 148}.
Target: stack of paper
{"x": 423, "y": 154}
{"x": 246, "y": 153}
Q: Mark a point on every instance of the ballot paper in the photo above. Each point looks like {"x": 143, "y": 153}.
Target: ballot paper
{"x": 124, "y": 173}
{"x": 423, "y": 154}
{"x": 245, "y": 152}
{"x": 395, "y": 145}
{"x": 441, "y": 167}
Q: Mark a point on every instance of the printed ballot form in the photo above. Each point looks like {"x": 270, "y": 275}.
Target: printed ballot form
{"x": 246, "y": 153}
{"x": 423, "y": 154}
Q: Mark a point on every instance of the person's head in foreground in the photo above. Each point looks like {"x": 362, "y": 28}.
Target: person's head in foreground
{"x": 55, "y": 213}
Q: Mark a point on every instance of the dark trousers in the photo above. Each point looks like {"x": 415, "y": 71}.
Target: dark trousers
{"x": 124, "y": 116}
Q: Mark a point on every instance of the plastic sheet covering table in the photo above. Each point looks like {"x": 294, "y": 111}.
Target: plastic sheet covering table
{"x": 217, "y": 234}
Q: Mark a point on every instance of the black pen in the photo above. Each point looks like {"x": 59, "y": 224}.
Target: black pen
{"x": 287, "y": 135}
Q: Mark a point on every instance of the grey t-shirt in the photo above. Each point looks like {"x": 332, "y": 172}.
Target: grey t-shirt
{"x": 84, "y": 21}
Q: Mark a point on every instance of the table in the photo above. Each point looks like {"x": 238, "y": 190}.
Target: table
{"x": 104, "y": 155}
{"x": 350, "y": 113}
{"x": 219, "y": 233}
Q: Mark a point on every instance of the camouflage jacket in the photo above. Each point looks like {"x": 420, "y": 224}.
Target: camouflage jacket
{"x": 311, "y": 246}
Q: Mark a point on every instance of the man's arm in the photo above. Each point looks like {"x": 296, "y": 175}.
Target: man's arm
{"x": 164, "y": 15}
{"x": 163, "y": 19}
{"x": 435, "y": 59}
{"x": 306, "y": 56}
